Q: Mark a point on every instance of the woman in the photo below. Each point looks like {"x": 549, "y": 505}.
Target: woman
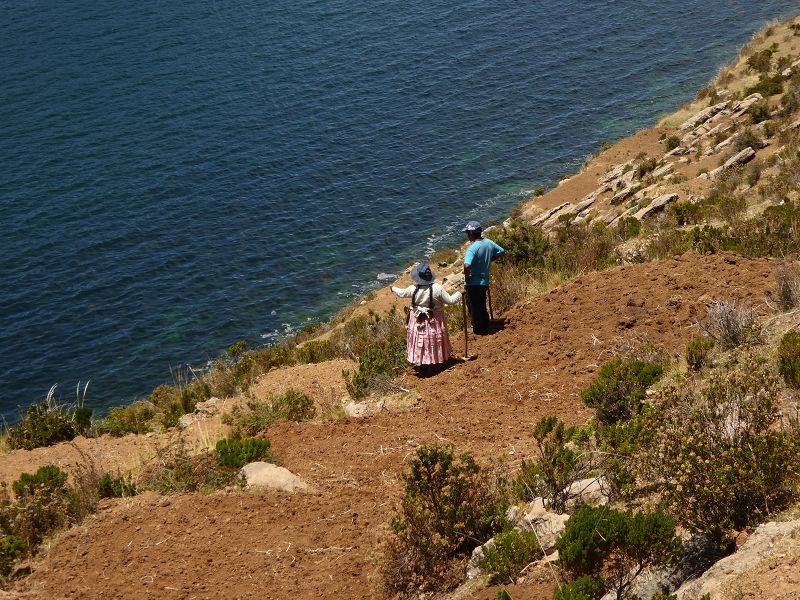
{"x": 428, "y": 342}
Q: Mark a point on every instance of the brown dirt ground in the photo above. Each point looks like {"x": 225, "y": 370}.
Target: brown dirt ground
{"x": 328, "y": 542}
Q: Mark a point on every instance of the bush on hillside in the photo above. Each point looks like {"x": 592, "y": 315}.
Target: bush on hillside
{"x": 509, "y": 553}
{"x": 789, "y": 358}
{"x": 672, "y": 142}
{"x": 43, "y": 424}
{"x": 119, "y": 486}
{"x": 619, "y": 445}
{"x": 378, "y": 365}
{"x": 175, "y": 470}
{"x": 767, "y": 86}
{"x": 761, "y": 62}
{"x": 11, "y": 548}
{"x": 698, "y": 351}
{"x": 600, "y": 541}
{"x": 588, "y": 587}
{"x": 557, "y": 466}
{"x": 449, "y": 507}
{"x": 525, "y": 245}
{"x": 619, "y": 388}
{"x": 720, "y": 453}
{"x": 238, "y": 453}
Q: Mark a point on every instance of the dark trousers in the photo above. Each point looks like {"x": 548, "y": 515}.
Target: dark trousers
{"x": 476, "y": 296}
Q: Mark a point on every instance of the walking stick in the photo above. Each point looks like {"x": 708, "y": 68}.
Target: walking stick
{"x": 489, "y": 294}
{"x": 464, "y": 315}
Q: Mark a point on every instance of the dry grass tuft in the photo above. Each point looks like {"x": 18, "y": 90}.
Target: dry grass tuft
{"x": 787, "y": 281}
{"x": 731, "y": 324}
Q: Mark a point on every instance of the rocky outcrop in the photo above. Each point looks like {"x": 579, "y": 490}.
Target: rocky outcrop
{"x": 655, "y": 206}
{"x": 769, "y": 544}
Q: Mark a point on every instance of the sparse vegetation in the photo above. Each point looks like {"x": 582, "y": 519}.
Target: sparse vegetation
{"x": 697, "y": 352}
{"x": 789, "y": 358}
{"x": 292, "y": 405}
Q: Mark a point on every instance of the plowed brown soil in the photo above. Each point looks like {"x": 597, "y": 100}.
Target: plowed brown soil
{"x": 327, "y": 543}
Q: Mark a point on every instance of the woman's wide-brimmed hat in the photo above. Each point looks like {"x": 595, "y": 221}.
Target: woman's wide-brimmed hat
{"x": 421, "y": 274}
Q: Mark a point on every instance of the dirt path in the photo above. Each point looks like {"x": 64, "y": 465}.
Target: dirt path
{"x": 327, "y": 543}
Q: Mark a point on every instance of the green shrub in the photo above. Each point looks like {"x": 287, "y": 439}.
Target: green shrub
{"x": 588, "y": 587}
{"x": 43, "y": 424}
{"x": 628, "y": 227}
{"x": 766, "y": 86}
{"x": 697, "y": 352}
{"x": 525, "y": 245}
{"x": 377, "y": 366}
{"x": 43, "y": 504}
{"x": 789, "y": 358}
{"x": 115, "y": 487}
{"x": 672, "y": 142}
{"x": 619, "y": 444}
{"x": 760, "y": 62}
{"x": 557, "y": 466}
{"x": 238, "y": 453}
{"x": 449, "y": 508}
{"x": 720, "y": 453}
{"x": 11, "y": 548}
{"x": 509, "y": 553}
{"x": 293, "y": 405}
{"x": 603, "y": 541}
{"x": 121, "y": 420}
{"x": 619, "y": 388}
{"x": 645, "y": 167}
{"x": 503, "y": 595}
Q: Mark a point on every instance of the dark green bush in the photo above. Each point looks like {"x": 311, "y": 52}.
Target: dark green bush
{"x": 43, "y": 424}
{"x": 377, "y": 366}
{"x": 645, "y": 167}
{"x": 238, "y": 453}
{"x": 672, "y": 142}
{"x": 449, "y": 508}
{"x": 767, "y": 86}
{"x": 293, "y": 405}
{"x": 760, "y": 62}
{"x": 525, "y": 245}
{"x": 686, "y": 213}
{"x": 620, "y": 444}
{"x": 11, "y": 548}
{"x": 588, "y": 587}
{"x": 628, "y": 227}
{"x": 697, "y": 352}
{"x": 509, "y": 553}
{"x": 619, "y": 388}
{"x": 789, "y": 358}
{"x": 115, "y": 487}
{"x": 721, "y": 454}
{"x": 619, "y": 545}
{"x": 557, "y": 466}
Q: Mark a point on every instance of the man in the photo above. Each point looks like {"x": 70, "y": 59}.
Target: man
{"x": 477, "y": 262}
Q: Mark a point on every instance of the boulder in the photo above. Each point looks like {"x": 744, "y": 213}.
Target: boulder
{"x": 264, "y": 474}
{"x": 656, "y": 205}
{"x": 620, "y": 197}
{"x": 741, "y": 107}
{"x": 703, "y": 116}
{"x": 764, "y": 550}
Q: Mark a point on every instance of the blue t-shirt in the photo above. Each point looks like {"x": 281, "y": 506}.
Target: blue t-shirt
{"x": 479, "y": 258}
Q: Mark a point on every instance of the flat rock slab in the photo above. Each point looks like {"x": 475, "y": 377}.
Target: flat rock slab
{"x": 264, "y": 474}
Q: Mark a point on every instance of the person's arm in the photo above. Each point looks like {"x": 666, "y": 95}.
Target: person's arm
{"x": 497, "y": 250}
{"x": 468, "y": 262}
{"x": 466, "y": 273}
{"x": 404, "y": 292}
{"x": 441, "y": 294}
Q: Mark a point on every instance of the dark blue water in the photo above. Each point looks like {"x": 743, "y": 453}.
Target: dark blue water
{"x": 175, "y": 176}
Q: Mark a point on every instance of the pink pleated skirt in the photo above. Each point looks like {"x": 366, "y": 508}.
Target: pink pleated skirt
{"x": 428, "y": 343}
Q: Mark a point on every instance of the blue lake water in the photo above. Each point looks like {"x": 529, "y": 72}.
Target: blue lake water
{"x": 175, "y": 176}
